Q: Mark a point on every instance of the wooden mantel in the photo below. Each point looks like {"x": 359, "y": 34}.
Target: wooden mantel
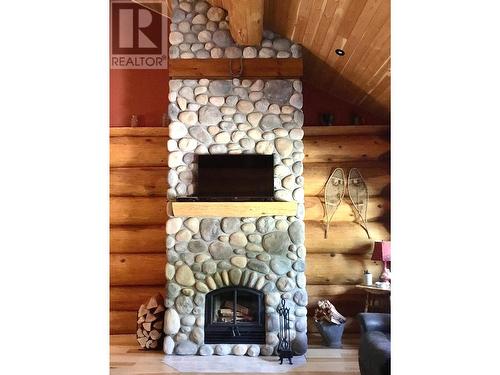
{"x": 232, "y": 209}
{"x": 235, "y": 68}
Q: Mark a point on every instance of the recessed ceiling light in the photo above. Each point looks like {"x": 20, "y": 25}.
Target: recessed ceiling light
{"x": 340, "y": 52}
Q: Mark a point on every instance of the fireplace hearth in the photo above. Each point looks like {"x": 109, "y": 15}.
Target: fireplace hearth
{"x": 235, "y": 315}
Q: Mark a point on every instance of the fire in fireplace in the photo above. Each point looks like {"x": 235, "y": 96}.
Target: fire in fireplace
{"x": 235, "y": 315}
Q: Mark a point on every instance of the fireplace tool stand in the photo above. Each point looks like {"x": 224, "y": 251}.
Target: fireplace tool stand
{"x": 285, "y": 345}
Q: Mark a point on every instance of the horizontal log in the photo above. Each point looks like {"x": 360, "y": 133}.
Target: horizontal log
{"x": 375, "y": 173}
{"x": 343, "y": 237}
{"x": 138, "y": 152}
{"x": 149, "y": 269}
{"x": 138, "y": 182}
{"x": 339, "y": 269}
{"x": 346, "y": 298}
{"x": 325, "y": 149}
{"x": 331, "y": 292}
{"x": 137, "y": 239}
{"x": 152, "y": 181}
{"x": 137, "y": 210}
{"x": 153, "y": 210}
{"x": 152, "y": 151}
{"x": 137, "y": 269}
{"x": 346, "y": 130}
{"x": 131, "y": 297}
{"x": 309, "y": 130}
{"x": 122, "y": 322}
{"x": 378, "y": 207}
{"x": 226, "y": 68}
{"x": 125, "y": 322}
{"x": 139, "y": 131}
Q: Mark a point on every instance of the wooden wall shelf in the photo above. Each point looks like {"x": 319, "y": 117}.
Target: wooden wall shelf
{"x": 222, "y": 68}
{"x": 309, "y": 131}
{"x": 345, "y": 130}
{"x": 232, "y": 209}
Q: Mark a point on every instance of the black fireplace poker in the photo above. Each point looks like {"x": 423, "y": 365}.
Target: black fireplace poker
{"x": 284, "y": 345}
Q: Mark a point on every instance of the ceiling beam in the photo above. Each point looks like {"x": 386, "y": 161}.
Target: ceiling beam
{"x": 246, "y": 18}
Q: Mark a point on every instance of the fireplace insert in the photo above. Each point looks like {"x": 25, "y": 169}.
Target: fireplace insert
{"x": 235, "y": 315}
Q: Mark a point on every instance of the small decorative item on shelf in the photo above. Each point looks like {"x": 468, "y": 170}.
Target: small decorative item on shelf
{"x": 367, "y": 278}
{"x": 285, "y": 342}
{"x": 164, "y": 120}
{"x": 356, "y": 119}
{"x": 327, "y": 118}
{"x": 330, "y": 323}
{"x": 134, "y": 121}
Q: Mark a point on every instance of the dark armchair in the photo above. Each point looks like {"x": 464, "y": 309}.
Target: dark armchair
{"x": 375, "y": 345}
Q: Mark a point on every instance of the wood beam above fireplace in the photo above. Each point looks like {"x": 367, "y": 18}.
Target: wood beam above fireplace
{"x": 230, "y": 68}
{"x": 232, "y": 209}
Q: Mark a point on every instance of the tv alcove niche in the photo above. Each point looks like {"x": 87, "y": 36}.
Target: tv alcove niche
{"x": 233, "y": 186}
{"x": 235, "y": 315}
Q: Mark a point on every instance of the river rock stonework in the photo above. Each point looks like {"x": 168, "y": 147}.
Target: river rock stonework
{"x": 232, "y": 116}
{"x": 200, "y": 31}
{"x": 236, "y": 265}
{"x": 231, "y": 122}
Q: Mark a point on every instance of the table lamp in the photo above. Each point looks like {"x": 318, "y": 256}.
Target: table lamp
{"x": 382, "y": 251}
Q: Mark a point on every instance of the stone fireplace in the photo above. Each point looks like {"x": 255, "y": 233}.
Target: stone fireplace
{"x": 226, "y": 275}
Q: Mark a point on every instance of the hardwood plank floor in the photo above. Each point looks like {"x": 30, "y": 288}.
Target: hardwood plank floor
{"x": 127, "y": 359}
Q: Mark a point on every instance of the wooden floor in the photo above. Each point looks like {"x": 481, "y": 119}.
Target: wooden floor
{"x": 127, "y": 358}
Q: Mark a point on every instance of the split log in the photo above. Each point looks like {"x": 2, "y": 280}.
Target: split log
{"x": 150, "y": 323}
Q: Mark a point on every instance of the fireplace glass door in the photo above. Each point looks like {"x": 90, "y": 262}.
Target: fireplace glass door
{"x": 234, "y": 315}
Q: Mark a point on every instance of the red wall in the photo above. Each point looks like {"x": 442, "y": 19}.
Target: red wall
{"x": 317, "y": 102}
{"x": 145, "y": 94}
{"x": 138, "y": 92}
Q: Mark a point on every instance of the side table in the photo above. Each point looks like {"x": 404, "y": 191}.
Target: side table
{"x": 372, "y": 293}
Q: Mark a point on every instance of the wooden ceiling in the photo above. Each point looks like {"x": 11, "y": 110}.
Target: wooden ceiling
{"x": 359, "y": 27}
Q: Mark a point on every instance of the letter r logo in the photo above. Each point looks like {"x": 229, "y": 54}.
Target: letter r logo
{"x": 135, "y": 30}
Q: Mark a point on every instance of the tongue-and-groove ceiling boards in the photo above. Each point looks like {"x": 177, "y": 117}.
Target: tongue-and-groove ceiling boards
{"x": 359, "y": 27}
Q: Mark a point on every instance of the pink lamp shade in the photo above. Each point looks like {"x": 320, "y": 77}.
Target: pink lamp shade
{"x": 382, "y": 251}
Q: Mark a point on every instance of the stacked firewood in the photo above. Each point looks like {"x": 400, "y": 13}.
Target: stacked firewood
{"x": 326, "y": 311}
{"x": 150, "y": 323}
{"x": 226, "y": 313}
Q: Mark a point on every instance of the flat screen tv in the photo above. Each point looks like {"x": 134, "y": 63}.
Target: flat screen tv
{"x": 236, "y": 176}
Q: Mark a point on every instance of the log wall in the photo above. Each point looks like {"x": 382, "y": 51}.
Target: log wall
{"x": 334, "y": 265}
{"x": 138, "y": 190}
